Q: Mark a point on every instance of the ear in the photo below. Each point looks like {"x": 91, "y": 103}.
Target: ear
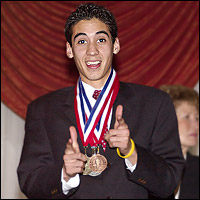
{"x": 116, "y": 47}
{"x": 69, "y": 51}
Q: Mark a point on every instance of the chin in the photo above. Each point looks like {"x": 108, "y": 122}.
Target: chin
{"x": 192, "y": 144}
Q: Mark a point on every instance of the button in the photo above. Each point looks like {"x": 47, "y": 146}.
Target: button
{"x": 54, "y": 191}
{"x": 142, "y": 181}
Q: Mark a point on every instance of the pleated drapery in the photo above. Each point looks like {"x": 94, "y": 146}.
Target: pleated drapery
{"x": 159, "y": 45}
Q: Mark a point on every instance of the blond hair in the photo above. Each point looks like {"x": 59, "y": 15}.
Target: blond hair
{"x": 180, "y": 93}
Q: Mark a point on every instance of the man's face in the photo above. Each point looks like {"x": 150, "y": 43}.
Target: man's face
{"x": 92, "y": 49}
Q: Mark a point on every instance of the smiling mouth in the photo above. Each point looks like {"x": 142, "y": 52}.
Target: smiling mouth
{"x": 93, "y": 64}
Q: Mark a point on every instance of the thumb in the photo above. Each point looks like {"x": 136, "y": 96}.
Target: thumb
{"x": 74, "y": 137}
{"x": 118, "y": 116}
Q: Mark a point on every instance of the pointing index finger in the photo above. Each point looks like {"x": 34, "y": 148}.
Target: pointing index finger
{"x": 118, "y": 116}
{"x": 119, "y": 112}
{"x": 74, "y": 137}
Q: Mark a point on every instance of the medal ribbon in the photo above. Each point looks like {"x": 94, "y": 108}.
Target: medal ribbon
{"x": 87, "y": 124}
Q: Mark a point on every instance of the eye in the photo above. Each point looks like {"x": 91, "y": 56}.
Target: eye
{"x": 101, "y": 40}
{"x": 186, "y": 116}
{"x": 82, "y": 42}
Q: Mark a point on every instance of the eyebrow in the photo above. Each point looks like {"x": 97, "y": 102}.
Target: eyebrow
{"x": 104, "y": 32}
{"x": 78, "y": 34}
{"x": 99, "y": 32}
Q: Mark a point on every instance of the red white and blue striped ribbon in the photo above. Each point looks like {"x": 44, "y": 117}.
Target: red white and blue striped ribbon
{"x": 92, "y": 122}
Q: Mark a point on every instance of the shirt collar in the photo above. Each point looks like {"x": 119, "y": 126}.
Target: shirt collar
{"x": 89, "y": 90}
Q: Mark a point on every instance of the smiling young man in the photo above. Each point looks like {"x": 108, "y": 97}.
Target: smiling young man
{"x": 102, "y": 138}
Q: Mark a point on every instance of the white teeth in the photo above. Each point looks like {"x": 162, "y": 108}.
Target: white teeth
{"x": 93, "y": 63}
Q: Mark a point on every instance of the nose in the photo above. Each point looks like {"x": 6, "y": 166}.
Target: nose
{"x": 92, "y": 49}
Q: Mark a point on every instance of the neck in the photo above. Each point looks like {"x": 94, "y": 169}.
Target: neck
{"x": 97, "y": 84}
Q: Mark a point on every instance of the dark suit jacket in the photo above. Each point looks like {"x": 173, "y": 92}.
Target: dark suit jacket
{"x": 152, "y": 121}
{"x": 190, "y": 182}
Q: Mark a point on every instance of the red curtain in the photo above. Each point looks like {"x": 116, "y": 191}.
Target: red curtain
{"x": 159, "y": 45}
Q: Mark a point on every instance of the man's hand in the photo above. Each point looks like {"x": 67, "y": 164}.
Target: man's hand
{"x": 74, "y": 160}
{"x": 120, "y": 135}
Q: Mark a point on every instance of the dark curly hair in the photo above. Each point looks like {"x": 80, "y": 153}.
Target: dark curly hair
{"x": 88, "y": 11}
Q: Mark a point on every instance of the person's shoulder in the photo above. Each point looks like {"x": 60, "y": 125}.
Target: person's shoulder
{"x": 54, "y": 96}
{"x": 143, "y": 91}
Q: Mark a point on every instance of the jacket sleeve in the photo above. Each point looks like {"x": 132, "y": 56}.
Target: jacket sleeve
{"x": 159, "y": 168}
{"x": 38, "y": 173}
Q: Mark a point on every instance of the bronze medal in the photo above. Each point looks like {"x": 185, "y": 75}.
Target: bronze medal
{"x": 88, "y": 171}
{"x": 97, "y": 163}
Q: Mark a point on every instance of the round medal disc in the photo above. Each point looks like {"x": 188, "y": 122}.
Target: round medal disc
{"x": 97, "y": 163}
